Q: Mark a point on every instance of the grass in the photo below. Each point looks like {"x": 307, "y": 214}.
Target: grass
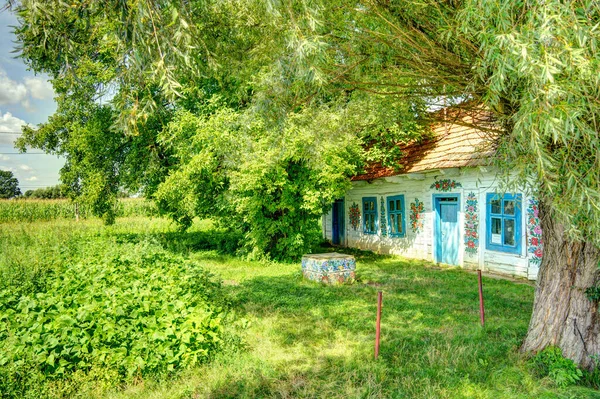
{"x": 302, "y": 339}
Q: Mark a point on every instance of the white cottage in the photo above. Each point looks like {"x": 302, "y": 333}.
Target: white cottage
{"x": 442, "y": 206}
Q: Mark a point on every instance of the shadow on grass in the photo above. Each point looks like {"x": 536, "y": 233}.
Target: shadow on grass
{"x": 321, "y": 337}
{"x": 222, "y": 242}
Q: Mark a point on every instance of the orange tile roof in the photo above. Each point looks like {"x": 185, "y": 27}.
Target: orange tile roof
{"x": 465, "y": 139}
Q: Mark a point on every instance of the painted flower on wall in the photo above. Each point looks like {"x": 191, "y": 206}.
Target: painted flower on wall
{"x": 416, "y": 215}
{"x": 354, "y": 215}
{"x": 471, "y": 225}
{"x": 382, "y": 224}
{"x": 445, "y": 185}
{"x": 535, "y": 244}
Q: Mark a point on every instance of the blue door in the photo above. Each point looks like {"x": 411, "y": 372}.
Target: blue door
{"x": 337, "y": 222}
{"x": 446, "y": 229}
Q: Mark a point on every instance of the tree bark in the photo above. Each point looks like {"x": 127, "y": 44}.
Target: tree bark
{"x": 562, "y": 314}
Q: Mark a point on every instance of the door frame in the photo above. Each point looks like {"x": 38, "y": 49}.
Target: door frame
{"x": 437, "y": 220}
{"x": 341, "y": 216}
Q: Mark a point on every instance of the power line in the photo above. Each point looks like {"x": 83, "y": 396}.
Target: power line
{"x": 24, "y": 153}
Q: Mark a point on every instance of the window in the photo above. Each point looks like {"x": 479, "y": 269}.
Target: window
{"x": 504, "y": 223}
{"x": 370, "y": 215}
{"x": 396, "y": 221}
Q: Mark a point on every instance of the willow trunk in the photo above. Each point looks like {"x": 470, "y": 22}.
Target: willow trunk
{"x": 562, "y": 313}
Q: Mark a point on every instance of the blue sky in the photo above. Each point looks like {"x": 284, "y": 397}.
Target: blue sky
{"x": 25, "y": 98}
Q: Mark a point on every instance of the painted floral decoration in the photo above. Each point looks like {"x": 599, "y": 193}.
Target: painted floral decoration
{"x": 354, "y": 216}
{"x": 534, "y": 241}
{"x": 382, "y": 218}
{"x": 471, "y": 225}
{"x": 445, "y": 185}
{"x": 416, "y": 215}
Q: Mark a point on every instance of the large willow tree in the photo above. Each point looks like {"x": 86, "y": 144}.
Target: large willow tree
{"x": 239, "y": 108}
{"x": 536, "y": 66}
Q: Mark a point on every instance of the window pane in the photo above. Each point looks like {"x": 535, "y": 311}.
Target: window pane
{"x": 372, "y": 205}
{"x": 393, "y": 223}
{"x": 509, "y": 207}
{"x": 496, "y": 231}
{"x": 399, "y": 221}
{"x": 509, "y": 232}
{"x": 392, "y": 206}
{"x": 496, "y": 206}
{"x": 399, "y": 205}
{"x": 372, "y": 223}
{"x": 366, "y": 206}
{"x": 496, "y": 226}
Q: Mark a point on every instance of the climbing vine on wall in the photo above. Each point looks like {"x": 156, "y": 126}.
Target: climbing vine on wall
{"x": 471, "y": 225}
{"x": 416, "y": 215}
{"x": 382, "y": 218}
{"x": 445, "y": 185}
{"x": 534, "y": 240}
{"x": 354, "y": 216}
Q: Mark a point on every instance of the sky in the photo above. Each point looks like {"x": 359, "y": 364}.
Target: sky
{"x": 25, "y": 99}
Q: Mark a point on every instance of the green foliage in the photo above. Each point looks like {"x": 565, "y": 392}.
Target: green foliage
{"x": 550, "y": 362}
{"x": 593, "y": 293}
{"x": 135, "y": 310}
{"x": 54, "y": 192}
{"x": 246, "y": 131}
{"x": 9, "y": 185}
{"x": 270, "y": 182}
{"x": 299, "y": 339}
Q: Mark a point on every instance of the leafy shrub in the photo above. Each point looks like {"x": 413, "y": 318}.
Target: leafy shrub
{"x": 139, "y": 313}
{"x": 550, "y": 362}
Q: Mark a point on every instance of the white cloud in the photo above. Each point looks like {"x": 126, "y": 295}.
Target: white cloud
{"x": 11, "y": 92}
{"x": 8, "y": 125}
{"x": 25, "y": 168}
{"x": 32, "y": 178}
{"x": 4, "y": 158}
{"x": 39, "y": 88}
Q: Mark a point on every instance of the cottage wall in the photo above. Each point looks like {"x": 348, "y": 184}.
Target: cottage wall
{"x": 419, "y": 242}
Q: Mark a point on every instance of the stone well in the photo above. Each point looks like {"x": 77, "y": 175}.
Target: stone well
{"x": 329, "y": 268}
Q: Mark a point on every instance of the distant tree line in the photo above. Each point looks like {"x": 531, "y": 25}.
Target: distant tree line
{"x": 53, "y": 192}
{"x": 57, "y": 192}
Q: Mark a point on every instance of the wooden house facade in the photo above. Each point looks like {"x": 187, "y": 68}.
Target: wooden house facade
{"x": 444, "y": 205}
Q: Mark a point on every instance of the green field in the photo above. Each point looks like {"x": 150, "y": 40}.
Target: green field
{"x": 35, "y": 210}
{"x": 265, "y": 331}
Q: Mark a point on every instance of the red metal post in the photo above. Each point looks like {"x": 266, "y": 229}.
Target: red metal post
{"x": 378, "y": 325}
{"x": 481, "y": 308}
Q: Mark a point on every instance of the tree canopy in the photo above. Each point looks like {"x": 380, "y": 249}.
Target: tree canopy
{"x": 246, "y": 130}
{"x": 147, "y": 76}
{"x": 9, "y": 185}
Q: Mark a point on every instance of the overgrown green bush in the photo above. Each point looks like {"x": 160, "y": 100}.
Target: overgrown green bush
{"x": 139, "y": 312}
{"x": 550, "y": 362}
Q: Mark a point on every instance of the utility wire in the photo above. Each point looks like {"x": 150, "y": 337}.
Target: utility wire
{"x": 23, "y": 153}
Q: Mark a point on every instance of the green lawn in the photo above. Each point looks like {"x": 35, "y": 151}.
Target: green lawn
{"x": 302, "y": 339}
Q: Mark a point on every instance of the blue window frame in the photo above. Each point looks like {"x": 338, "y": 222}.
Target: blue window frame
{"x": 503, "y": 216}
{"x": 370, "y": 224}
{"x": 396, "y": 213}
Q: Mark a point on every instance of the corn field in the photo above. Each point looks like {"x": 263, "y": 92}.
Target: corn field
{"x": 25, "y": 210}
